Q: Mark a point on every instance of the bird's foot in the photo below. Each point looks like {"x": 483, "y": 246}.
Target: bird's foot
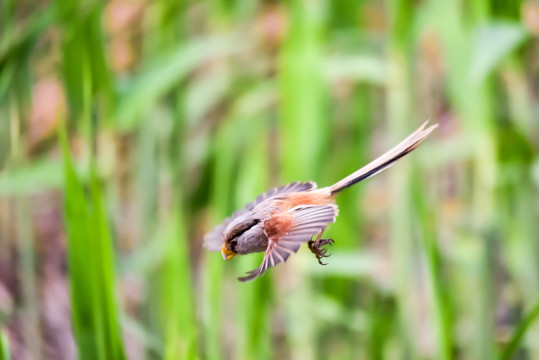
{"x": 318, "y": 251}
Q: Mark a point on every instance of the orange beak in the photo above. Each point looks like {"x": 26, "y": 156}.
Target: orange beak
{"x": 227, "y": 254}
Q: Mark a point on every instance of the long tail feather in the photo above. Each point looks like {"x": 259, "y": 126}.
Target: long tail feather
{"x": 405, "y": 147}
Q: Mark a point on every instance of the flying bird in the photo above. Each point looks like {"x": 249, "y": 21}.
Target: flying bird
{"x": 282, "y": 219}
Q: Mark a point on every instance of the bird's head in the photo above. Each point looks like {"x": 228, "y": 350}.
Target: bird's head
{"x": 233, "y": 233}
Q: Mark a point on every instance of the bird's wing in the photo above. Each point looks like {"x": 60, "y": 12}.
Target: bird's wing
{"x": 213, "y": 240}
{"x": 288, "y": 231}
{"x": 290, "y": 188}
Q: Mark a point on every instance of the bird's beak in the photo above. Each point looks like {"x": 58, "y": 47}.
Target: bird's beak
{"x": 227, "y": 254}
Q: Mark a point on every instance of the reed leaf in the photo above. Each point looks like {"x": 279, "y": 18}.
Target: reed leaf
{"x": 91, "y": 266}
{"x": 4, "y": 346}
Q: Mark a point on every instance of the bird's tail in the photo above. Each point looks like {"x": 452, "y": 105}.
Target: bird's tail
{"x": 406, "y": 146}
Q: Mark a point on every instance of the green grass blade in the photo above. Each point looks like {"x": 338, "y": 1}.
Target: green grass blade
{"x": 83, "y": 54}
{"x": 400, "y": 222}
{"x": 177, "y": 293}
{"x": 4, "y": 346}
{"x": 440, "y": 298}
{"x": 225, "y": 154}
{"x": 494, "y": 42}
{"x": 304, "y": 137}
{"x": 254, "y": 298}
{"x": 166, "y": 72}
{"x": 520, "y": 331}
{"x": 91, "y": 269}
{"x": 34, "y": 177}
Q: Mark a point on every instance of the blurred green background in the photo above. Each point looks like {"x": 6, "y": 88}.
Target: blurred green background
{"x": 129, "y": 128}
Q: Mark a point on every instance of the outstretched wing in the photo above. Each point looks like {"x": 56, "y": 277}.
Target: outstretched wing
{"x": 298, "y": 225}
{"x": 213, "y": 240}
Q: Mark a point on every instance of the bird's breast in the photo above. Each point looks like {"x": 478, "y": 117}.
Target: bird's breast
{"x": 252, "y": 241}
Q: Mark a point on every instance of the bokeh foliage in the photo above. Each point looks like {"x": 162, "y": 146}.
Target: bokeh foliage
{"x": 177, "y": 113}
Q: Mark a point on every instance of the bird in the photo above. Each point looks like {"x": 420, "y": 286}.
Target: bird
{"x": 279, "y": 221}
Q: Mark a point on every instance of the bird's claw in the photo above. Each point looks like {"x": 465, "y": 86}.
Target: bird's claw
{"x": 318, "y": 251}
{"x": 323, "y": 242}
